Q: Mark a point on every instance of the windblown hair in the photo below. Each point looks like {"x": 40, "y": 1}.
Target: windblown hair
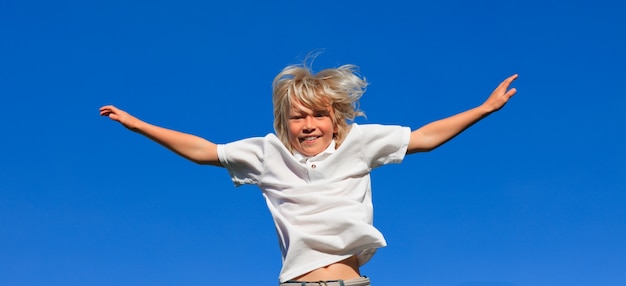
{"x": 341, "y": 88}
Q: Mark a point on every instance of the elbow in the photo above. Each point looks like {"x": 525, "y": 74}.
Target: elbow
{"x": 207, "y": 155}
{"x": 197, "y": 161}
{"x": 420, "y": 149}
{"x": 207, "y": 161}
{"x": 203, "y": 161}
{"x": 421, "y": 143}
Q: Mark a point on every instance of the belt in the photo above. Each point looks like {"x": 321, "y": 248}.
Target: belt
{"x": 361, "y": 281}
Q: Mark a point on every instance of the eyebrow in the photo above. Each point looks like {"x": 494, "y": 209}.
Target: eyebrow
{"x": 321, "y": 111}
{"x": 316, "y": 111}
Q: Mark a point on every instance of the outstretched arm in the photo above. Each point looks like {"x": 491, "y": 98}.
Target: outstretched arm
{"x": 192, "y": 147}
{"x": 434, "y": 134}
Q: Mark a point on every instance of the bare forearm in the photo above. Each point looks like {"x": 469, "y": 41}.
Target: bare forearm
{"x": 434, "y": 134}
{"x": 189, "y": 146}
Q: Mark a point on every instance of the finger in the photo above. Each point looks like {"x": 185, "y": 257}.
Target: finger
{"x": 504, "y": 85}
{"x": 105, "y": 112}
{"x": 111, "y": 108}
{"x": 509, "y": 80}
{"x": 108, "y": 112}
{"x": 510, "y": 93}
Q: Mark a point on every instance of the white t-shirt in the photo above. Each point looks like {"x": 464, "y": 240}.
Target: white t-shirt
{"x": 321, "y": 205}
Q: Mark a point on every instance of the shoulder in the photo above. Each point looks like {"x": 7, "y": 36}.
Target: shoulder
{"x": 250, "y": 148}
{"x": 254, "y": 141}
{"x": 246, "y": 159}
{"x": 379, "y": 144}
{"x": 374, "y": 131}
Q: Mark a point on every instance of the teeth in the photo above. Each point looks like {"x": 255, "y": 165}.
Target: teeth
{"x": 309, "y": 138}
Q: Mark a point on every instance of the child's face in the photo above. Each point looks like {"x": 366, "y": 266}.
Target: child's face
{"x": 310, "y": 131}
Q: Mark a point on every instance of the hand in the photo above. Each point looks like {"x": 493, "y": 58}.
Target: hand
{"x": 120, "y": 116}
{"x": 500, "y": 96}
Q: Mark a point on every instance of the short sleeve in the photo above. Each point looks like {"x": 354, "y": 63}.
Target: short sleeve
{"x": 384, "y": 144}
{"x": 243, "y": 159}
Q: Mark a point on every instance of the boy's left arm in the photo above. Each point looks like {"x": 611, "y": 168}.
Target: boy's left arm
{"x": 434, "y": 134}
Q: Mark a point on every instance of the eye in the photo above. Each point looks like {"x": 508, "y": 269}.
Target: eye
{"x": 321, "y": 113}
{"x": 296, "y": 117}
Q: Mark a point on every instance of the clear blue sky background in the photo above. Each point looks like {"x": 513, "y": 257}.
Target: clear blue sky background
{"x": 532, "y": 195}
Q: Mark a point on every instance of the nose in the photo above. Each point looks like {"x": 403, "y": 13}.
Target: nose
{"x": 309, "y": 126}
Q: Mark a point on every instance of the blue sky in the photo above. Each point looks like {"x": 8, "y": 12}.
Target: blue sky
{"x": 532, "y": 195}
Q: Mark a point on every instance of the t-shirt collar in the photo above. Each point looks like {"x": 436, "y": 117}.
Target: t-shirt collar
{"x": 321, "y": 156}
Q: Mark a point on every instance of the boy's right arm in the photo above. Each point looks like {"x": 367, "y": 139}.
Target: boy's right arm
{"x": 192, "y": 147}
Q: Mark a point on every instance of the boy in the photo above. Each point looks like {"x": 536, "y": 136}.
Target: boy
{"x": 314, "y": 173}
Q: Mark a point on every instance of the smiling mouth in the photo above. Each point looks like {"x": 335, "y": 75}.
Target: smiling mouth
{"x": 308, "y": 138}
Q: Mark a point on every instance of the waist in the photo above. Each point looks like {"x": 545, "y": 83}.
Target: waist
{"x": 345, "y": 270}
{"x": 360, "y": 281}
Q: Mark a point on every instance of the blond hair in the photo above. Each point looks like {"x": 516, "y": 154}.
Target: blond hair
{"x": 340, "y": 88}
